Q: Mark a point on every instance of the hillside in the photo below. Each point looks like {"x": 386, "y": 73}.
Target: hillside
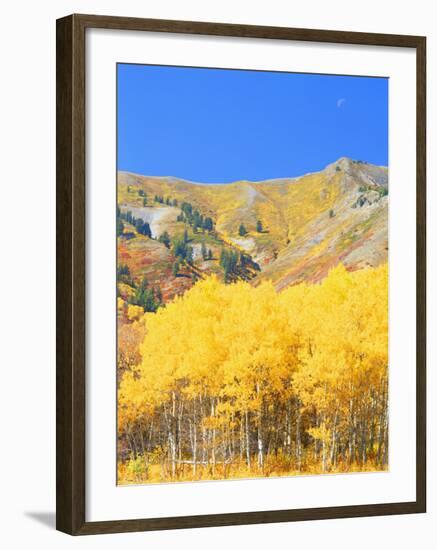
{"x": 293, "y": 229}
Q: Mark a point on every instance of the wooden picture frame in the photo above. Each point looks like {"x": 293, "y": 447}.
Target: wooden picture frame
{"x": 71, "y": 283}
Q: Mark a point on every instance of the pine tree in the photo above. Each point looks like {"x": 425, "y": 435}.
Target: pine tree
{"x": 165, "y": 239}
{"x": 144, "y": 229}
{"x": 224, "y": 263}
{"x": 208, "y": 224}
{"x": 122, "y": 270}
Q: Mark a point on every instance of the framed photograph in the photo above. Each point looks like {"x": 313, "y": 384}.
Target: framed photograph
{"x": 240, "y": 274}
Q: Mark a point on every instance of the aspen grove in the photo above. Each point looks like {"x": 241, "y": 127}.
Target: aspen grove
{"x": 235, "y": 380}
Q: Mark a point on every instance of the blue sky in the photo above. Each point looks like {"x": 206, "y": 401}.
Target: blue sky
{"x": 218, "y": 125}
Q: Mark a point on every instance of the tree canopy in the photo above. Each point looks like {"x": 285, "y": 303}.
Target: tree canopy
{"x": 241, "y": 380}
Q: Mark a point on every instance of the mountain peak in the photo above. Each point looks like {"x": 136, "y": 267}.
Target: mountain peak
{"x": 342, "y": 162}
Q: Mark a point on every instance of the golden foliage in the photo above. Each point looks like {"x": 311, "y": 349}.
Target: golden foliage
{"x": 239, "y": 381}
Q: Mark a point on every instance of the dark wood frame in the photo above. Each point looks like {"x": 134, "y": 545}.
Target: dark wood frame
{"x": 70, "y": 298}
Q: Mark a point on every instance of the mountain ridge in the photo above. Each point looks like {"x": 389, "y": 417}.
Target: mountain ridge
{"x": 308, "y": 224}
{"x": 338, "y": 162}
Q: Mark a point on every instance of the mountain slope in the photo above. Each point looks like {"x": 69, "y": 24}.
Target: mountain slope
{"x": 309, "y": 224}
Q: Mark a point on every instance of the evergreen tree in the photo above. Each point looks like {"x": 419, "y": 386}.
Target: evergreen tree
{"x": 242, "y": 231}
{"x": 233, "y": 261}
{"x": 180, "y": 248}
{"x": 120, "y": 227}
{"x": 229, "y": 262}
{"x": 259, "y": 226}
{"x": 123, "y": 269}
{"x": 148, "y": 301}
{"x": 138, "y": 224}
{"x": 144, "y": 229}
{"x": 224, "y": 262}
{"x": 187, "y": 208}
{"x": 145, "y": 297}
{"x": 165, "y": 239}
{"x": 208, "y": 224}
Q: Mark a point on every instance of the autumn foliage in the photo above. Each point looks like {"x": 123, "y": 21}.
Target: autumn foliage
{"x": 234, "y": 381}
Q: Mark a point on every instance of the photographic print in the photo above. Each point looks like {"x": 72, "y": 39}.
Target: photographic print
{"x": 252, "y": 274}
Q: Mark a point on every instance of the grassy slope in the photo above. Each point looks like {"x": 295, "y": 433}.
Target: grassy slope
{"x": 153, "y": 260}
{"x": 302, "y": 237}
